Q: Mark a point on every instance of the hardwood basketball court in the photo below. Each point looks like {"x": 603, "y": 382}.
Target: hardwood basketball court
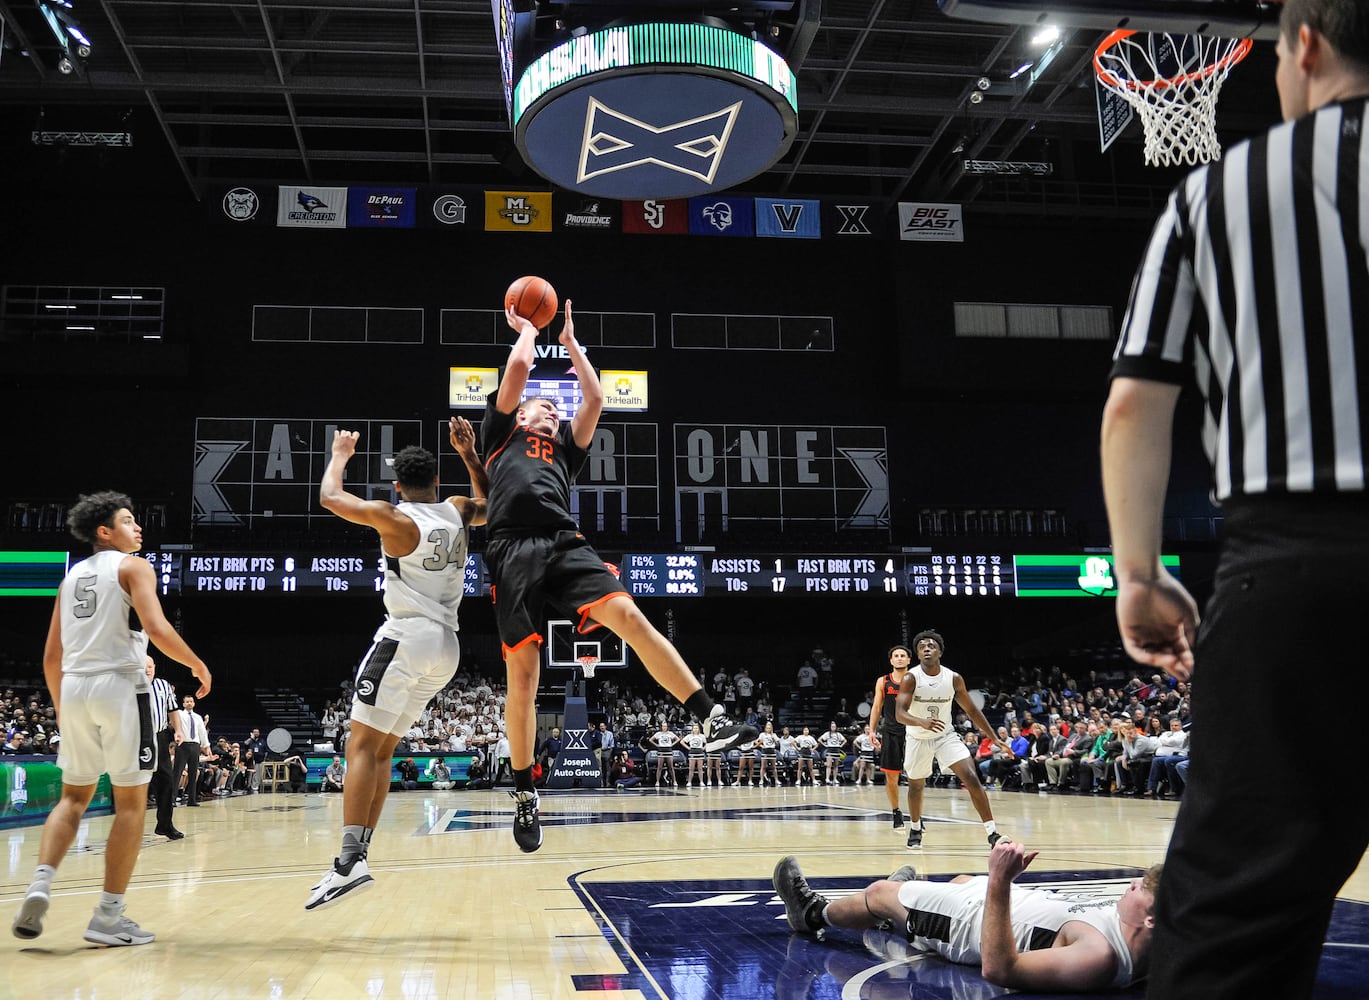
{"x": 636, "y": 894}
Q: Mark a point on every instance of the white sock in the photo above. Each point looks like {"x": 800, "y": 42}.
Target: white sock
{"x": 990, "y": 827}
{"x": 42, "y": 881}
{"x": 111, "y": 903}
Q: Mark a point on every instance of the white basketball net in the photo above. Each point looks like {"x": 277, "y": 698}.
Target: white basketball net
{"x": 587, "y": 665}
{"x": 1173, "y": 82}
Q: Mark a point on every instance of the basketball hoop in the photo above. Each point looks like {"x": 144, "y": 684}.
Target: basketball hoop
{"x": 587, "y": 665}
{"x": 1172, "y": 81}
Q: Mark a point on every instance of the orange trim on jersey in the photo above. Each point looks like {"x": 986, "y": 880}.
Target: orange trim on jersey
{"x": 494, "y": 454}
{"x": 584, "y": 610}
{"x": 507, "y": 649}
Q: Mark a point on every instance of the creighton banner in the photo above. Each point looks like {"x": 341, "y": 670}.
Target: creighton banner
{"x": 312, "y": 207}
{"x": 518, "y": 211}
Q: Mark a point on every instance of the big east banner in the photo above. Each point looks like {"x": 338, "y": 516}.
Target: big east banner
{"x": 929, "y": 222}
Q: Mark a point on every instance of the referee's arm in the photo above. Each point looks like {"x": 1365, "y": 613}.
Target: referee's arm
{"x": 1155, "y": 614}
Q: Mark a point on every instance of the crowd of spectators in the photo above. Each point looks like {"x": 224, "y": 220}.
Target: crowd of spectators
{"x": 29, "y": 720}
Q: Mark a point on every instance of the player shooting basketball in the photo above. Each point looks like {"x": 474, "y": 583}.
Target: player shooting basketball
{"x": 539, "y": 560}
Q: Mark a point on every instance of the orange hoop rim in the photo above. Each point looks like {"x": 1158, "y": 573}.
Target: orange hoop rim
{"x": 1238, "y": 52}
{"x": 588, "y": 661}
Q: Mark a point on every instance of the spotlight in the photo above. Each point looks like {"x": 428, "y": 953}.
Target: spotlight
{"x": 983, "y": 83}
{"x": 65, "y": 65}
{"x": 976, "y": 97}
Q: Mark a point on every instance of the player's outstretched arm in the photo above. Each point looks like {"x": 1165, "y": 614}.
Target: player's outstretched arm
{"x": 592, "y": 392}
{"x": 473, "y": 509}
{"x": 1084, "y": 963}
{"x": 398, "y": 533}
{"x": 519, "y": 364}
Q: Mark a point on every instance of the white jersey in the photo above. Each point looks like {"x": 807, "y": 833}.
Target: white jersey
{"x": 430, "y": 580}
{"x": 932, "y": 699}
{"x": 96, "y": 638}
{"x": 1037, "y": 916}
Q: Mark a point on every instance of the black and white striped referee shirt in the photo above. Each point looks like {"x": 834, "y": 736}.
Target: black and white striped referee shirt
{"x": 1255, "y": 286}
{"x": 163, "y": 704}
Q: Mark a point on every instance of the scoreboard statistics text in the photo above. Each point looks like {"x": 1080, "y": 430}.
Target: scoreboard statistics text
{"x": 187, "y": 571}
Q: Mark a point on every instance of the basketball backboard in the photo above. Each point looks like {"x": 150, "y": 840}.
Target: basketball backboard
{"x": 1230, "y": 18}
{"x": 566, "y": 647}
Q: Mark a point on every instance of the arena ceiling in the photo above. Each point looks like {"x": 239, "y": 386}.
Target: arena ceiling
{"x": 408, "y": 91}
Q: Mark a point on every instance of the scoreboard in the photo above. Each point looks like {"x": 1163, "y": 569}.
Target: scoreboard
{"x": 318, "y": 572}
{"x": 186, "y": 571}
{"x": 929, "y": 574}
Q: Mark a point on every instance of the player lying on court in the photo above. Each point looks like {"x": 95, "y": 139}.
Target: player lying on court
{"x": 1026, "y": 939}
{"x": 539, "y": 561}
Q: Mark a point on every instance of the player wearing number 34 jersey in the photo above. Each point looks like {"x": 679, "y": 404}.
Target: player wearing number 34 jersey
{"x": 415, "y": 652}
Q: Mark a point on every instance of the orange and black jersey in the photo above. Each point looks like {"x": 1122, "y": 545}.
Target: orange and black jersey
{"x": 887, "y": 719}
{"x": 530, "y": 474}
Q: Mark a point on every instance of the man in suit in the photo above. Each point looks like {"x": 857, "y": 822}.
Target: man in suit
{"x": 166, "y": 726}
{"x": 193, "y": 734}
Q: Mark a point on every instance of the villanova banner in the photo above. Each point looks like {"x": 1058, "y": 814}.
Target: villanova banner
{"x": 791, "y": 219}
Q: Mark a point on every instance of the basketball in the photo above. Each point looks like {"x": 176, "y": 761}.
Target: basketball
{"x": 533, "y": 298}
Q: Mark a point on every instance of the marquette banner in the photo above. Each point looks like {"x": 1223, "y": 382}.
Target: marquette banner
{"x": 792, "y": 219}
{"x": 381, "y": 208}
{"x": 312, "y": 207}
{"x": 469, "y": 387}
{"x": 930, "y": 222}
{"x": 624, "y": 390}
{"x": 518, "y": 211}
{"x": 656, "y": 216}
{"x": 714, "y": 216}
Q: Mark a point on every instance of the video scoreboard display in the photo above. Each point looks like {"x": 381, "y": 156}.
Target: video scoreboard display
{"x": 930, "y": 574}
{"x": 186, "y": 572}
{"x": 954, "y": 575}
{"x": 922, "y": 575}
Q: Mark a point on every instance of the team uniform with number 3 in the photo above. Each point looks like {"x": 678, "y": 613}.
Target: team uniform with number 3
{"x": 932, "y": 700}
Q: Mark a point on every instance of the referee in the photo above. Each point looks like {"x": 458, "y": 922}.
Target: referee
{"x": 166, "y": 726}
{"x": 1255, "y": 288}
